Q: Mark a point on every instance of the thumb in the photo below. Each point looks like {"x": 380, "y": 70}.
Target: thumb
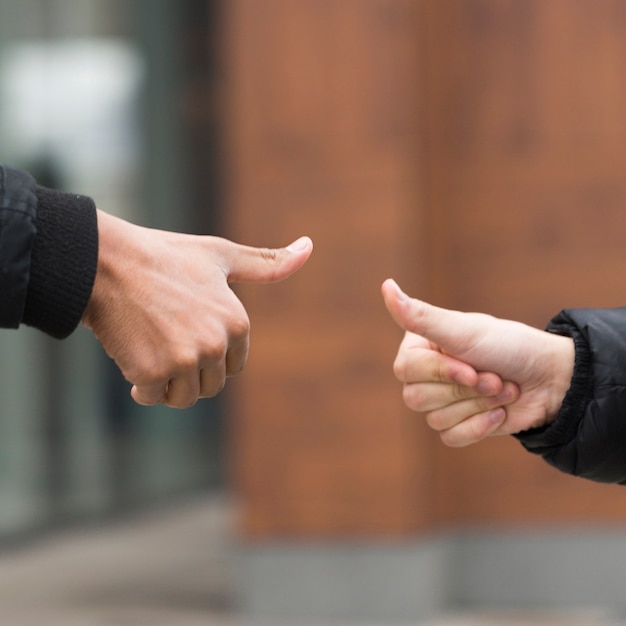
{"x": 448, "y": 329}
{"x": 245, "y": 264}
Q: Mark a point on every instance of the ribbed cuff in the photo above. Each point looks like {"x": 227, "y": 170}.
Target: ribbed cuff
{"x": 63, "y": 262}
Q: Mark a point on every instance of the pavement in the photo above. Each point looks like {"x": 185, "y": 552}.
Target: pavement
{"x": 168, "y": 568}
{"x": 161, "y": 568}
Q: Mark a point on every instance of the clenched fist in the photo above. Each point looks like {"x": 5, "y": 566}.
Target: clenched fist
{"x": 473, "y": 375}
{"x": 163, "y": 310}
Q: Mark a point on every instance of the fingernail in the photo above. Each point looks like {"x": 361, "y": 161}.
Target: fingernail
{"x": 299, "y": 245}
{"x": 506, "y": 394}
{"x": 401, "y": 295}
{"x": 496, "y": 416}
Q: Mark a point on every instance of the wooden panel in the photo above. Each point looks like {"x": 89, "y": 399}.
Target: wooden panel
{"x": 525, "y": 170}
{"x": 323, "y": 131}
{"x": 475, "y": 150}
{"x": 526, "y": 152}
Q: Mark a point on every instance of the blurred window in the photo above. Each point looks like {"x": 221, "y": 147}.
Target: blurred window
{"x": 90, "y": 102}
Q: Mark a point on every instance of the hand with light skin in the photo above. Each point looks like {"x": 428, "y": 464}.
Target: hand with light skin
{"x": 473, "y": 375}
{"x": 163, "y": 310}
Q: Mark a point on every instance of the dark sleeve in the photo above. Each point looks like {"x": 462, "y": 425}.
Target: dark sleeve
{"x": 48, "y": 255}
{"x": 588, "y": 437}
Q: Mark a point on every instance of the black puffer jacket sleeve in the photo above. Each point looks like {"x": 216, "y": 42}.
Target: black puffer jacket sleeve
{"x": 588, "y": 437}
{"x": 48, "y": 254}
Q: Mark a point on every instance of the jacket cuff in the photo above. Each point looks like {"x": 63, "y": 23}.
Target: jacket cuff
{"x": 64, "y": 260}
{"x": 565, "y": 427}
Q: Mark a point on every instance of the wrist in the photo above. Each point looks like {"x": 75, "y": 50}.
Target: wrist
{"x": 114, "y": 249}
{"x": 562, "y": 358}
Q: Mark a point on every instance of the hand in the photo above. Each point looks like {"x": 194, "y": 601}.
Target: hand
{"x": 474, "y": 375}
{"x": 163, "y": 310}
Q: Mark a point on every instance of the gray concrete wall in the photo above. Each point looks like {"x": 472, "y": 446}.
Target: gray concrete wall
{"x": 394, "y": 581}
{"x": 539, "y": 570}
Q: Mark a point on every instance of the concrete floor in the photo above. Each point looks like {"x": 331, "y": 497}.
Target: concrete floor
{"x": 168, "y": 569}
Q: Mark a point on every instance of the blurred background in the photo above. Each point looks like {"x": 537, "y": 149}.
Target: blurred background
{"x": 96, "y": 97}
{"x": 475, "y": 150}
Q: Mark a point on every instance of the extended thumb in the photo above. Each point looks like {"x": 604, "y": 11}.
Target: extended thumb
{"x": 266, "y": 265}
{"x": 418, "y": 317}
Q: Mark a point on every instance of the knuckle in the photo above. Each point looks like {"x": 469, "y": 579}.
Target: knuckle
{"x": 484, "y": 404}
{"x": 413, "y": 397}
{"x": 149, "y": 377}
{"x": 272, "y": 259}
{"x": 269, "y": 254}
{"x": 184, "y": 361}
{"x": 449, "y": 439}
{"x": 214, "y": 351}
{"x": 400, "y": 367}
{"x": 467, "y": 433}
{"x": 441, "y": 371}
{"x": 478, "y": 429}
{"x": 459, "y": 392}
{"x": 434, "y": 421}
{"x": 239, "y": 327}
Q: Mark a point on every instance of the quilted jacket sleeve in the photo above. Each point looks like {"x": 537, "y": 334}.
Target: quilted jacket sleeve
{"x": 18, "y": 214}
{"x": 588, "y": 437}
{"x": 48, "y": 254}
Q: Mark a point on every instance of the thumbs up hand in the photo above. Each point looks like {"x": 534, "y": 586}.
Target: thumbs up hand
{"x": 473, "y": 375}
{"x": 163, "y": 310}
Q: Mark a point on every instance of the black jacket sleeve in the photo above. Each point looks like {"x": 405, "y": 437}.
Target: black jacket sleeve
{"x": 588, "y": 437}
{"x": 48, "y": 254}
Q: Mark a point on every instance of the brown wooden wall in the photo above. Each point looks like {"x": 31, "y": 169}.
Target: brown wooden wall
{"x": 473, "y": 149}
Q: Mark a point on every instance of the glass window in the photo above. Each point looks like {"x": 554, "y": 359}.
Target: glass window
{"x": 90, "y": 102}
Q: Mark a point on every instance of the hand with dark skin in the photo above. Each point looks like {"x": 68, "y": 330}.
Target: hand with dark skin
{"x": 473, "y": 375}
{"x": 163, "y": 309}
